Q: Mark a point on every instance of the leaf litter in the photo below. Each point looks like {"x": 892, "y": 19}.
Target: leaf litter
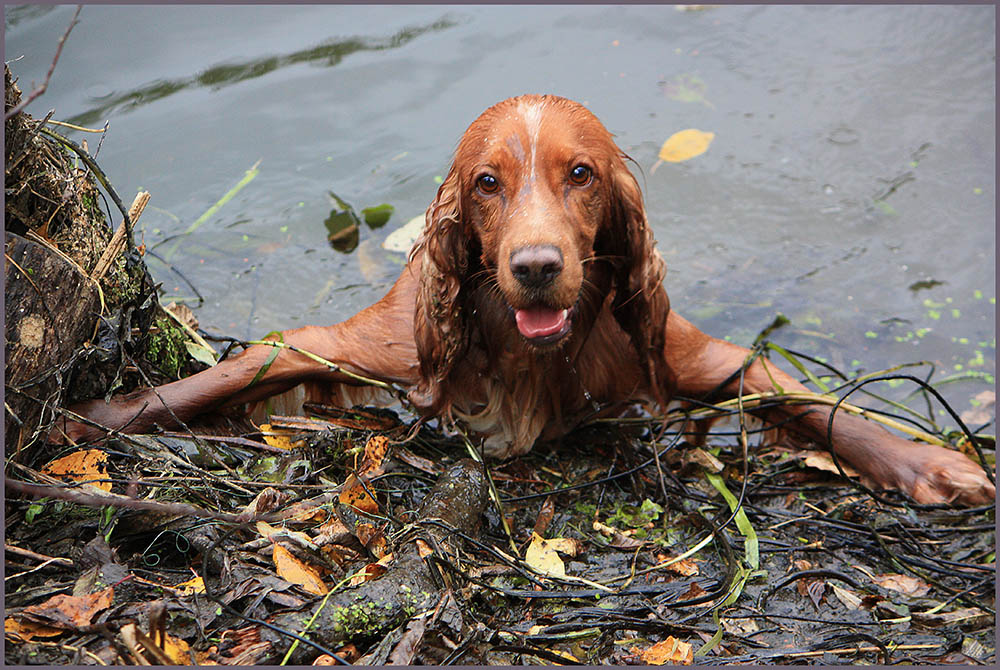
{"x": 373, "y": 534}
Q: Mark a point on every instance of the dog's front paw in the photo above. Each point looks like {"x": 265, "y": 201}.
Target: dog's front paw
{"x": 932, "y": 474}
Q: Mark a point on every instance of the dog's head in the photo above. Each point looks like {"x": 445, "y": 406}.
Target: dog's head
{"x": 539, "y": 210}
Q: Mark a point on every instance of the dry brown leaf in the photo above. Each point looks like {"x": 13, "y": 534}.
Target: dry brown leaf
{"x": 85, "y": 465}
{"x": 303, "y": 512}
{"x": 948, "y": 618}
{"x": 905, "y": 584}
{"x": 821, "y": 461}
{"x": 685, "y": 567}
{"x": 670, "y": 650}
{"x": 295, "y": 571}
{"x": 371, "y": 571}
{"x": 72, "y": 611}
{"x": 183, "y": 314}
{"x": 851, "y": 600}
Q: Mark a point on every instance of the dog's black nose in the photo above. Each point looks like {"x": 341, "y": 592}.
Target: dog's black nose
{"x": 536, "y": 266}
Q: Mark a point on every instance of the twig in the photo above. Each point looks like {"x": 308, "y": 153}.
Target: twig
{"x": 16, "y": 109}
{"x": 117, "y": 243}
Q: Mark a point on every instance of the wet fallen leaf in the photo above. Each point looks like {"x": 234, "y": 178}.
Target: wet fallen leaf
{"x": 949, "y": 618}
{"x": 541, "y": 555}
{"x": 619, "y": 539}
{"x": 372, "y": 538}
{"x": 545, "y": 515}
{"x": 85, "y": 465}
{"x": 702, "y": 458}
{"x": 694, "y": 591}
{"x": 684, "y": 567}
{"x": 905, "y": 584}
{"x": 401, "y": 239}
{"x": 72, "y": 611}
{"x": 295, "y": 571}
{"x": 25, "y": 630}
{"x": 670, "y": 650}
{"x": 816, "y": 590}
{"x": 379, "y": 215}
{"x": 176, "y": 649}
{"x": 740, "y": 626}
{"x": 684, "y": 145}
{"x": 355, "y": 495}
{"x": 686, "y": 88}
{"x": 375, "y": 450}
{"x": 850, "y": 599}
{"x": 281, "y": 439}
{"x": 195, "y": 585}
{"x": 983, "y": 410}
{"x": 371, "y": 571}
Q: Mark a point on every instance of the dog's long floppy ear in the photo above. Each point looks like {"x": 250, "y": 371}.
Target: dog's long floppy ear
{"x": 439, "y": 319}
{"x": 640, "y": 304}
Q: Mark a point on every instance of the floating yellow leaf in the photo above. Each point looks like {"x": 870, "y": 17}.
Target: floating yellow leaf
{"x": 295, "y": 571}
{"x": 684, "y": 145}
{"x": 86, "y": 465}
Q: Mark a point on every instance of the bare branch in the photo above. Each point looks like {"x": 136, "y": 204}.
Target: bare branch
{"x": 16, "y": 109}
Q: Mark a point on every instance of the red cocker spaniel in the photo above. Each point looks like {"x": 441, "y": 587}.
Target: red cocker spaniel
{"x": 532, "y": 302}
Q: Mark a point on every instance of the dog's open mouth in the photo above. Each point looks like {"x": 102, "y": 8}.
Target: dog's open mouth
{"x": 543, "y": 325}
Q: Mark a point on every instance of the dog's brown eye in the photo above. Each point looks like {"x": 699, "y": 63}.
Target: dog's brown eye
{"x": 488, "y": 184}
{"x": 580, "y": 175}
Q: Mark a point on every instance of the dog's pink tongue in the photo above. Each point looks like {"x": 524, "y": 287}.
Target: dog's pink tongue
{"x": 540, "y": 321}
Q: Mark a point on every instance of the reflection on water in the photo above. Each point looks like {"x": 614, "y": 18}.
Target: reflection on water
{"x": 324, "y": 55}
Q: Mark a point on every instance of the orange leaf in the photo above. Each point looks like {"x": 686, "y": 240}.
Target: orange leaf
{"x": 85, "y": 465}
{"x": 684, "y": 567}
{"x": 671, "y": 651}
{"x": 282, "y": 439}
{"x": 72, "y": 611}
{"x": 176, "y": 649}
{"x": 25, "y": 631}
{"x": 355, "y": 495}
{"x": 295, "y": 571}
{"x": 369, "y": 572}
{"x": 375, "y": 450}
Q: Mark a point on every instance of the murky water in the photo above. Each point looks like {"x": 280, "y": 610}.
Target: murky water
{"x": 850, "y": 184}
